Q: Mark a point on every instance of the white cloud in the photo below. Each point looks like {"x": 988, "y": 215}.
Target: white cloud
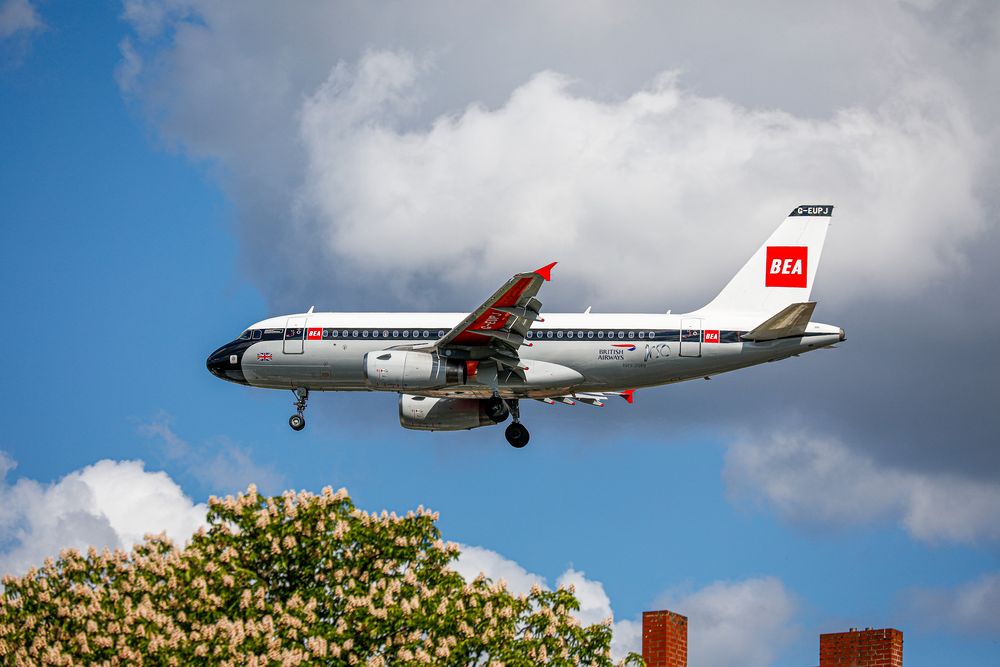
{"x": 626, "y": 638}
{"x": 129, "y": 68}
{"x": 740, "y": 623}
{"x": 665, "y": 172}
{"x": 810, "y": 478}
{"x": 595, "y": 605}
{"x": 465, "y": 162}
{"x": 737, "y": 624}
{"x": 220, "y": 464}
{"x": 972, "y": 608}
{"x": 109, "y": 503}
{"x": 473, "y": 561}
{"x": 18, "y": 16}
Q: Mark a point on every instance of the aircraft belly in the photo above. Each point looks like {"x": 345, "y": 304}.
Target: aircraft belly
{"x": 626, "y": 365}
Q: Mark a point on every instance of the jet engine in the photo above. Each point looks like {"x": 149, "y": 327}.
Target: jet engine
{"x": 398, "y": 369}
{"x": 424, "y": 413}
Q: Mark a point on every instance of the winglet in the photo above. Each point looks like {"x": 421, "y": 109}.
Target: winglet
{"x": 629, "y": 395}
{"x": 546, "y": 271}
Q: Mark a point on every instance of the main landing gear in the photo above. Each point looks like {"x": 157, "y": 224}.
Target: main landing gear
{"x": 298, "y": 420}
{"x": 517, "y": 434}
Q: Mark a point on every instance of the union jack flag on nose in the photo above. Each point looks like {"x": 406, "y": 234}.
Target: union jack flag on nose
{"x": 263, "y": 356}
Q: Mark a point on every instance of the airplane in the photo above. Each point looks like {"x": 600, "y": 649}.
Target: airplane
{"x": 457, "y": 371}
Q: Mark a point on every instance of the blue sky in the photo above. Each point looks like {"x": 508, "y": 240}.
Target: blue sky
{"x": 150, "y": 214}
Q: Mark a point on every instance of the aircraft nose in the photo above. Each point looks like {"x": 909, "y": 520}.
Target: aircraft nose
{"x": 843, "y": 335}
{"x": 224, "y": 363}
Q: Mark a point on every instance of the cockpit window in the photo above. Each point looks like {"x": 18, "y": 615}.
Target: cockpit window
{"x": 245, "y": 335}
{"x": 257, "y": 333}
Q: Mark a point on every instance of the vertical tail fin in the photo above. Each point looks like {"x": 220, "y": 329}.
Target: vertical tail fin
{"x": 782, "y": 270}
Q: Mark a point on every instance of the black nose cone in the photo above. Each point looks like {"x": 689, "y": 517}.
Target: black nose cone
{"x": 224, "y": 363}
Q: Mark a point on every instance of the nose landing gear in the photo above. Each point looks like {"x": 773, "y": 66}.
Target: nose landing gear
{"x": 517, "y": 435}
{"x": 298, "y": 420}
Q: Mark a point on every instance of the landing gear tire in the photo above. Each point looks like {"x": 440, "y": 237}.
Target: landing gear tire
{"x": 298, "y": 420}
{"x": 517, "y": 435}
{"x": 496, "y": 409}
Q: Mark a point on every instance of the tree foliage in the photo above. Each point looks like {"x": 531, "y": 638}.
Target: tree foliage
{"x": 288, "y": 580}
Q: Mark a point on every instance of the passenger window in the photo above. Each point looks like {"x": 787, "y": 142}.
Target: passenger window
{"x": 416, "y": 334}
{"x": 642, "y": 334}
{"x": 559, "y": 334}
{"x": 355, "y": 333}
{"x": 364, "y": 334}
{"x": 590, "y": 334}
{"x": 652, "y": 334}
{"x": 344, "y": 333}
{"x": 569, "y": 334}
{"x": 440, "y": 332}
{"x": 406, "y": 334}
{"x": 600, "y": 334}
{"x": 548, "y": 335}
{"x": 334, "y": 334}
{"x": 621, "y": 334}
{"x": 631, "y": 335}
{"x": 427, "y": 334}
{"x": 579, "y": 334}
{"x": 385, "y": 333}
{"x": 395, "y": 333}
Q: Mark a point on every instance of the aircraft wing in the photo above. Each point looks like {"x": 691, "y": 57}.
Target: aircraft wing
{"x": 496, "y": 329}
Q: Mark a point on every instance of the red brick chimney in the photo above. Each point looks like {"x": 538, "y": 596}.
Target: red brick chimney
{"x": 861, "y": 648}
{"x": 664, "y": 639}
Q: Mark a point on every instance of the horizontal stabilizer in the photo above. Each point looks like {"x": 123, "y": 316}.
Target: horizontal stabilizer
{"x": 790, "y": 321}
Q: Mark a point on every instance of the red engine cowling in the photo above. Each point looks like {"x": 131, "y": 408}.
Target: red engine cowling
{"x": 395, "y": 369}
{"x": 424, "y": 413}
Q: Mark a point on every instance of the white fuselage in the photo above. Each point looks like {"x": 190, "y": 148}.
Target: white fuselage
{"x": 564, "y": 353}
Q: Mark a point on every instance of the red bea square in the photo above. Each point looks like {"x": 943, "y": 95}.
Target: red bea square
{"x": 711, "y": 336}
{"x": 786, "y": 266}
{"x": 314, "y": 334}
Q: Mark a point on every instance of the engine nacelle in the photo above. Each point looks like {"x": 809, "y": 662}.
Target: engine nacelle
{"x": 399, "y": 369}
{"x": 424, "y": 413}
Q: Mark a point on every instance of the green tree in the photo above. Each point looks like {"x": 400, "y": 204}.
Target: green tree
{"x": 288, "y": 580}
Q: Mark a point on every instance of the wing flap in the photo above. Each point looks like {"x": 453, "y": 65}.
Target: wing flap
{"x": 596, "y": 399}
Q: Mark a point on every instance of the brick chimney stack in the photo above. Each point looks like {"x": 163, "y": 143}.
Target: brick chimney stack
{"x": 861, "y": 648}
{"x": 664, "y": 639}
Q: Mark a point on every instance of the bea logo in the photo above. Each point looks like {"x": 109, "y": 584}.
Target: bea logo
{"x": 712, "y": 336}
{"x": 786, "y": 266}
{"x": 314, "y": 334}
